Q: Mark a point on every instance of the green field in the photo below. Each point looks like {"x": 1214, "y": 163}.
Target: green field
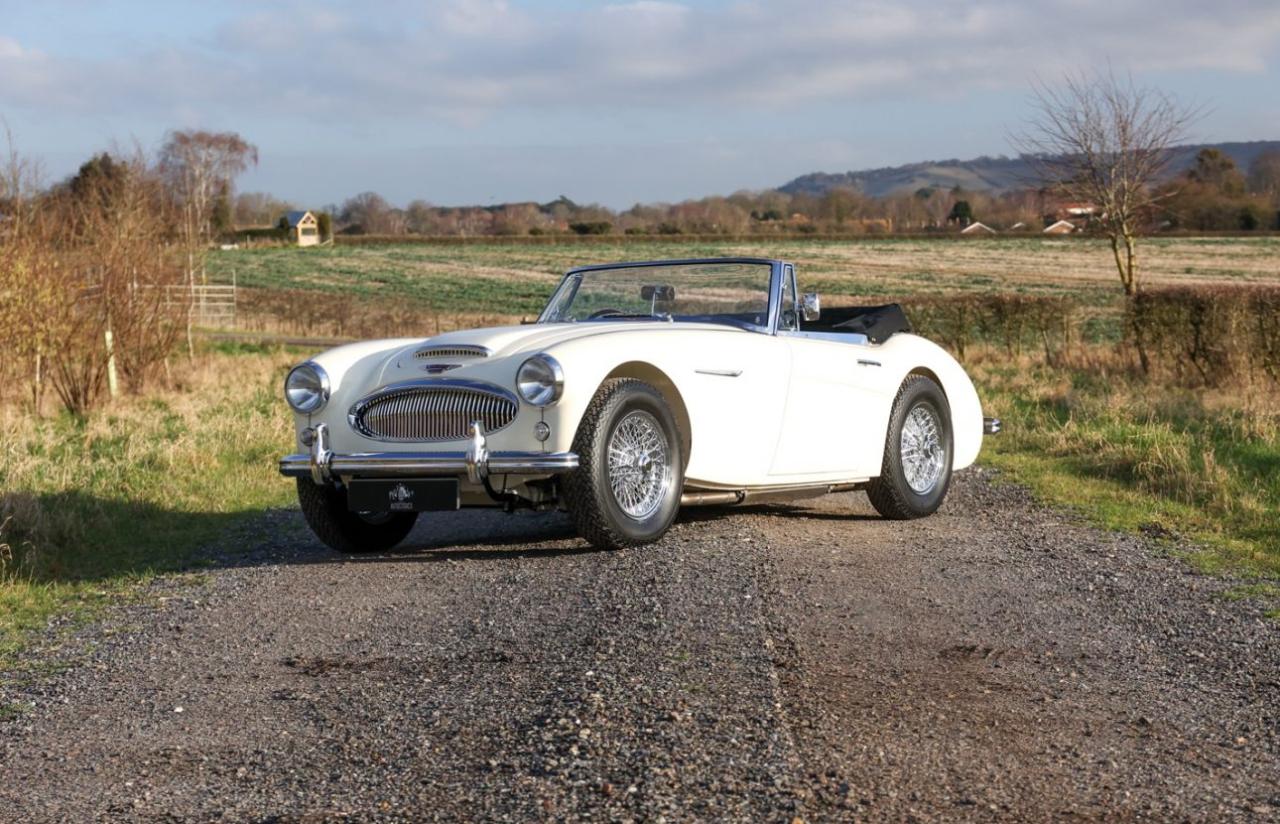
{"x": 515, "y": 278}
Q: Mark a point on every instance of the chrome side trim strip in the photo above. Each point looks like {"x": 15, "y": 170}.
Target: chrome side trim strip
{"x": 856, "y": 338}
{"x": 724, "y": 373}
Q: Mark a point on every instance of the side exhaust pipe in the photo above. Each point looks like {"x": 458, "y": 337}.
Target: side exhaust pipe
{"x": 711, "y": 498}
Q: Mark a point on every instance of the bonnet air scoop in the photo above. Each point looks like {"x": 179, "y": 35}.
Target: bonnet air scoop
{"x": 452, "y": 350}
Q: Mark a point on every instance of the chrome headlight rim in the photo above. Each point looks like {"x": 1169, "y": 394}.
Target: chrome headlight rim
{"x": 319, "y": 397}
{"x": 544, "y": 389}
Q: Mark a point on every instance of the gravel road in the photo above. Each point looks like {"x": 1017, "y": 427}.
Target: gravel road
{"x": 998, "y": 661}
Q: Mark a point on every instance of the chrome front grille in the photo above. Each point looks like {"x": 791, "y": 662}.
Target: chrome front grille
{"x": 440, "y": 410}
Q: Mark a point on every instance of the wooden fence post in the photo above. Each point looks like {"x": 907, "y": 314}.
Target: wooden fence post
{"x": 113, "y": 385}
{"x": 35, "y": 387}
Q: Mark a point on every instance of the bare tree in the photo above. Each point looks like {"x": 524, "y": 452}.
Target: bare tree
{"x": 199, "y": 166}
{"x": 1105, "y": 141}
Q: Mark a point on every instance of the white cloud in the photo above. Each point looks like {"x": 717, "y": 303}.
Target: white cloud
{"x": 463, "y": 58}
{"x": 10, "y": 48}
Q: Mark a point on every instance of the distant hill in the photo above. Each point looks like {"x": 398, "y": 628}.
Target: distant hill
{"x": 986, "y": 174}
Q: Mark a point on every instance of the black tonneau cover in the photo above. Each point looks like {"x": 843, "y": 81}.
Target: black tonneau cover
{"x": 878, "y": 323}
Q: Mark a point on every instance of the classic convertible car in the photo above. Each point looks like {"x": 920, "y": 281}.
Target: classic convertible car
{"x": 642, "y": 388}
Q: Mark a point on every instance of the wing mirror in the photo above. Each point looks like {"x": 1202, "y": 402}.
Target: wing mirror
{"x": 810, "y": 306}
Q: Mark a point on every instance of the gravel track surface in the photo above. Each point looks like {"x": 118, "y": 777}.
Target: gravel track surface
{"x": 998, "y": 661}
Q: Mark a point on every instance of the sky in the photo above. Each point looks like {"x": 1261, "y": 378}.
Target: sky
{"x": 487, "y": 101}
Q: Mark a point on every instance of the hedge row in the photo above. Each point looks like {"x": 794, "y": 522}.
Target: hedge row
{"x": 1201, "y": 335}
{"x": 1015, "y": 323}
{"x": 1208, "y": 334}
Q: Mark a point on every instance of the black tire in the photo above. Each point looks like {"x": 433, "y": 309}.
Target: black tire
{"x": 325, "y": 508}
{"x": 891, "y": 494}
{"x": 592, "y": 504}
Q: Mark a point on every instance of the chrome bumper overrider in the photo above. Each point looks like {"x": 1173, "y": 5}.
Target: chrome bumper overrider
{"x": 477, "y": 463}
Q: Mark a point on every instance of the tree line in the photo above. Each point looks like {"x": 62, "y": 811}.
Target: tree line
{"x": 1212, "y": 196}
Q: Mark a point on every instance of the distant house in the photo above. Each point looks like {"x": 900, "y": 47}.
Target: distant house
{"x": 1061, "y": 227}
{"x": 977, "y": 228}
{"x": 303, "y": 228}
{"x": 1078, "y": 209}
{"x": 1077, "y": 215}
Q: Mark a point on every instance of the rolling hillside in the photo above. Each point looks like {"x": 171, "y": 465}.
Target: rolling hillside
{"x": 985, "y": 174}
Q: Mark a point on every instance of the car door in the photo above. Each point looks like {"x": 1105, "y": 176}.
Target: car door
{"x": 734, "y": 386}
{"x": 836, "y": 411}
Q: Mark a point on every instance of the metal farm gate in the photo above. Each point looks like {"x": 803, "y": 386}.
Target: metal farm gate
{"x": 212, "y": 305}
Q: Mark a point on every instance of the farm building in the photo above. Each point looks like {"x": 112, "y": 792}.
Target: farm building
{"x": 304, "y": 229}
{"x": 1062, "y": 227}
{"x": 977, "y": 228}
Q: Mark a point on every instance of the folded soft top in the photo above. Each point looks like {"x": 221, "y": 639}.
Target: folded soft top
{"x": 878, "y": 323}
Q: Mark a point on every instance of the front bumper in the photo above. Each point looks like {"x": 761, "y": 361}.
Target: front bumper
{"x": 477, "y": 462}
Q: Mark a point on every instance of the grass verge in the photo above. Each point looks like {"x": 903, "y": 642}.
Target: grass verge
{"x": 1143, "y": 457}
{"x": 93, "y": 506}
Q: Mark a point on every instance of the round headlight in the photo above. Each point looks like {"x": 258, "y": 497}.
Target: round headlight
{"x": 540, "y": 380}
{"x": 307, "y": 388}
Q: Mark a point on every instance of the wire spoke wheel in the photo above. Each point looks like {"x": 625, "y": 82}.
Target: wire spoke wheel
{"x": 922, "y": 449}
{"x": 639, "y": 464}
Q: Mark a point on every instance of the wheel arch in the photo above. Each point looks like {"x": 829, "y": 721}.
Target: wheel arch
{"x": 659, "y": 380}
{"x": 926, "y": 372}
{"x": 962, "y": 404}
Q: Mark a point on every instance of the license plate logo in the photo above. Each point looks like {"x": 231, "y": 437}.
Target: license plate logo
{"x": 400, "y": 498}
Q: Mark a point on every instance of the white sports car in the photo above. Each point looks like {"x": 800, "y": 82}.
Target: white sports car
{"x": 642, "y": 387}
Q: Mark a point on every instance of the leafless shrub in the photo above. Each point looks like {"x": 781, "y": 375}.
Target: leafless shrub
{"x": 88, "y": 278}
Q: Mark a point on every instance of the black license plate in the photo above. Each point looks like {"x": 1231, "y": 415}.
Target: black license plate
{"x": 415, "y": 495}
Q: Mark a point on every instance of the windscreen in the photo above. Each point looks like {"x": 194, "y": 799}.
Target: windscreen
{"x": 718, "y": 292}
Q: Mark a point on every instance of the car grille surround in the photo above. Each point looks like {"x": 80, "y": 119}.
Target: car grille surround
{"x": 432, "y": 410}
